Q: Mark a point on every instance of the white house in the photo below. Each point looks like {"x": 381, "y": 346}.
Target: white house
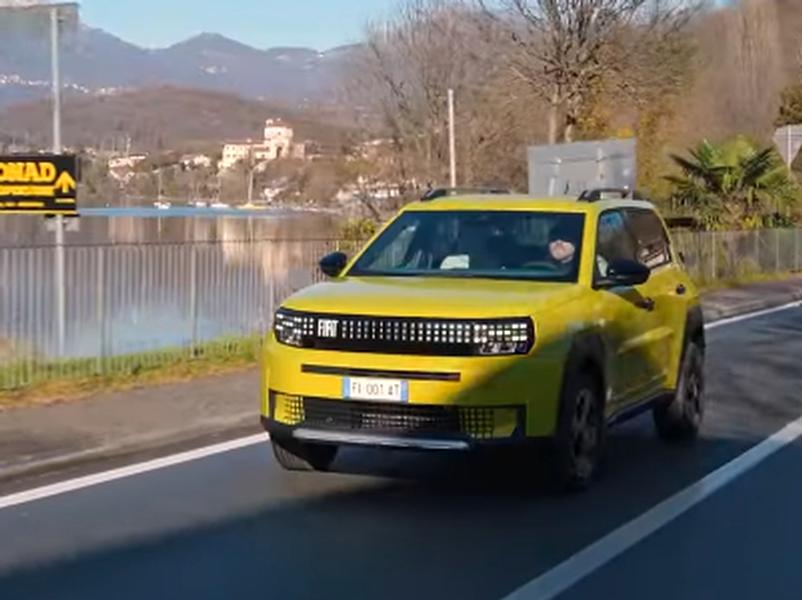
{"x": 189, "y": 161}
{"x": 126, "y": 162}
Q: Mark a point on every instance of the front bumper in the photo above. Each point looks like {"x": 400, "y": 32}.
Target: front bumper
{"x": 530, "y": 383}
{"x": 374, "y": 440}
{"x": 394, "y": 425}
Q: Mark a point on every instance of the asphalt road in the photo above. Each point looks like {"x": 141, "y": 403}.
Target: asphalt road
{"x": 234, "y": 525}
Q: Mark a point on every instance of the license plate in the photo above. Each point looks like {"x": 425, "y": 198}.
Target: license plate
{"x": 385, "y": 390}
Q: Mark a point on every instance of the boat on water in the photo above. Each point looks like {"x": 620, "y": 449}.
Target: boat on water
{"x": 219, "y": 205}
{"x": 198, "y": 204}
{"x": 251, "y": 206}
{"x": 160, "y": 205}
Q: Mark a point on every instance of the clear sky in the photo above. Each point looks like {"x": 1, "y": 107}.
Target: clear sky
{"x": 319, "y": 24}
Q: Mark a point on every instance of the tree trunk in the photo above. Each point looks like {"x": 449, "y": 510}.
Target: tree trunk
{"x": 571, "y": 119}
{"x": 554, "y": 119}
{"x": 568, "y": 132}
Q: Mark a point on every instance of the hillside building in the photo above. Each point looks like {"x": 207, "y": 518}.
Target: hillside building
{"x": 278, "y": 142}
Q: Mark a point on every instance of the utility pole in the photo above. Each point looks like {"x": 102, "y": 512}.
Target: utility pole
{"x": 54, "y": 11}
{"x": 251, "y": 168}
{"x": 60, "y": 283}
{"x": 452, "y": 145}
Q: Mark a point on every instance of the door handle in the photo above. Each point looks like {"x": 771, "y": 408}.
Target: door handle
{"x": 681, "y": 290}
{"x": 645, "y": 304}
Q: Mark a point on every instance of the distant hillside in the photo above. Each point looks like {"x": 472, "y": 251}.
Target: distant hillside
{"x": 94, "y": 60}
{"x": 158, "y": 118}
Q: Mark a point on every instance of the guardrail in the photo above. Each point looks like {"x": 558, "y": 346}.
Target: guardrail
{"x": 131, "y": 307}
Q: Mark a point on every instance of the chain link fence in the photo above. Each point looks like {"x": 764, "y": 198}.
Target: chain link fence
{"x": 134, "y": 307}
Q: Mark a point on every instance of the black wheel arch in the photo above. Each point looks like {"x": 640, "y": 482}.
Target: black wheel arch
{"x": 694, "y": 328}
{"x": 588, "y": 352}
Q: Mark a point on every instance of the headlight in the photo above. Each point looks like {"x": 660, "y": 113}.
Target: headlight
{"x": 508, "y": 336}
{"x": 292, "y": 328}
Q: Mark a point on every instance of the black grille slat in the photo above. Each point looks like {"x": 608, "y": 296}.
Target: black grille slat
{"x": 392, "y": 347}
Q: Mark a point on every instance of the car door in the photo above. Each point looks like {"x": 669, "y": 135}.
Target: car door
{"x": 664, "y": 291}
{"x": 626, "y": 315}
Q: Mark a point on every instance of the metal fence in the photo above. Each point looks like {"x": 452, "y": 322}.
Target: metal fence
{"x": 130, "y": 307}
{"x": 712, "y": 256}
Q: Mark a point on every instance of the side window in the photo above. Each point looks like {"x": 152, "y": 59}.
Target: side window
{"x": 613, "y": 241}
{"x": 653, "y": 248}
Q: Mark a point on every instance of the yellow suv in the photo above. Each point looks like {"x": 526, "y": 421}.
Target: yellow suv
{"x": 475, "y": 320}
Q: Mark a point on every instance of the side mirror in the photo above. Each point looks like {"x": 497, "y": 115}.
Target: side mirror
{"x": 333, "y": 264}
{"x": 624, "y": 272}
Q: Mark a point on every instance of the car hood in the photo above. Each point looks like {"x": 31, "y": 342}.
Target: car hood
{"x": 430, "y": 297}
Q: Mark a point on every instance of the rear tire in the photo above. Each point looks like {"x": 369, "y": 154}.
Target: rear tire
{"x": 681, "y": 417}
{"x": 297, "y": 456}
{"x": 578, "y": 447}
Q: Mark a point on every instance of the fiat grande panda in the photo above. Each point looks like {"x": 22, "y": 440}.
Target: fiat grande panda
{"x": 485, "y": 319}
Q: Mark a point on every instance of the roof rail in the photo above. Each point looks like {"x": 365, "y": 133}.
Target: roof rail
{"x": 596, "y": 194}
{"x": 436, "y": 193}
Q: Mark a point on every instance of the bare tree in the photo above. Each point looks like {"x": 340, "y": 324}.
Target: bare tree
{"x": 543, "y": 69}
{"x": 757, "y": 65}
{"x": 563, "y": 49}
{"x": 404, "y": 73}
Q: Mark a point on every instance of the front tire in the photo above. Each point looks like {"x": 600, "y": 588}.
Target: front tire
{"x": 578, "y": 446}
{"x": 681, "y": 417}
{"x": 296, "y": 456}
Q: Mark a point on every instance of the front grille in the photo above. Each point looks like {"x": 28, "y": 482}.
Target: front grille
{"x": 381, "y": 417}
{"x": 406, "y": 335}
{"x": 478, "y": 422}
{"x": 481, "y": 423}
{"x": 399, "y": 336}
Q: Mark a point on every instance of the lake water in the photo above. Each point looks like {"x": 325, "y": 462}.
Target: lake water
{"x": 142, "y": 279}
{"x": 176, "y": 225}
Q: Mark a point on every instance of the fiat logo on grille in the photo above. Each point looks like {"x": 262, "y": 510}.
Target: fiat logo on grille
{"x": 327, "y": 328}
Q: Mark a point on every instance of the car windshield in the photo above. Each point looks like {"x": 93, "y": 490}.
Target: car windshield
{"x": 537, "y": 245}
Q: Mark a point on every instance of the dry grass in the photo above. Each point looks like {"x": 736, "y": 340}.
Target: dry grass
{"x": 723, "y": 284}
{"x": 69, "y": 389}
{"x": 73, "y": 379}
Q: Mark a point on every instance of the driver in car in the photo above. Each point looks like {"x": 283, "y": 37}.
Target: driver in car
{"x": 562, "y": 245}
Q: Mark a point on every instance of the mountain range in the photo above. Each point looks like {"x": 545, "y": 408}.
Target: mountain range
{"x": 95, "y": 62}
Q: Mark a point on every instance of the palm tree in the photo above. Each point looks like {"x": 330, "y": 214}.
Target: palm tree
{"x": 734, "y": 185}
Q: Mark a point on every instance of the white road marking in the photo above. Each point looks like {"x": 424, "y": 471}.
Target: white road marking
{"x": 80, "y": 483}
{"x": 753, "y": 315}
{"x": 568, "y": 573}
